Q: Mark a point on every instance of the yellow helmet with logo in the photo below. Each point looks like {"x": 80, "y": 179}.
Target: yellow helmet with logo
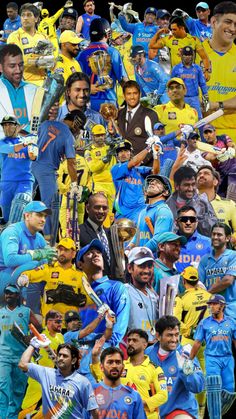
{"x": 98, "y": 129}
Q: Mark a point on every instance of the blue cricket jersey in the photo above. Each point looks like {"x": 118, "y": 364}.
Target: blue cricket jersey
{"x": 15, "y": 166}
{"x": 210, "y": 269}
{"x": 199, "y": 29}
{"x": 193, "y": 78}
{"x": 150, "y": 77}
{"x": 142, "y": 33}
{"x": 196, "y": 247}
{"x": 218, "y": 335}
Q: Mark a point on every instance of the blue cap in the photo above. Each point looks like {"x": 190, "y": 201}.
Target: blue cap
{"x": 12, "y": 288}
{"x": 162, "y": 12}
{"x": 170, "y": 237}
{"x": 151, "y": 10}
{"x": 158, "y": 125}
{"x": 217, "y": 298}
{"x": 203, "y": 5}
{"x": 37, "y": 206}
{"x": 93, "y": 244}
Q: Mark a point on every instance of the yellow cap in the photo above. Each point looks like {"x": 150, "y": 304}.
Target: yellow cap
{"x": 69, "y": 36}
{"x": 44, "y": 12}
{"x": 67, "y": 243}
{"x": 98, "y": 129}
{"x": 176, "y": 80}
{"x": 190, "y": 273}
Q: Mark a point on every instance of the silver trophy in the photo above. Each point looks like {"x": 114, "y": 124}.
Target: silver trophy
{"x": 127, "y": 10}
{"x": 100, "y": 64}
{"x": 122, "y": 230}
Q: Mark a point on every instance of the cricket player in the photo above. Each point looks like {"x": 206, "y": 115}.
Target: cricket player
{"x": 84, "y": 20}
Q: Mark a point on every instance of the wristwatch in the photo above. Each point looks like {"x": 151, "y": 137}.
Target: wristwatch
{"x": 221, "y": 105}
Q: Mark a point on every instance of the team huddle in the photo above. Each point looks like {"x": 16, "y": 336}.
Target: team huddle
{"x": 118, "y": 212}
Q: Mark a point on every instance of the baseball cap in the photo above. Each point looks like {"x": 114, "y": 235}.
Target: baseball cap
{"x": 72, "y": 315}
{"x": 190, "y": 273}
{"x": 170, "y": 237}
{"x": 68, "y": 243}
{"x": 37, "y": 206}
{"x": 203, "y": 5}
{"x": 12, "y": 288}
{"x": 95, "y": 243}
{"x": 208, "y": 127}
{"x": 162, "y": 12}
{"x": 193, "y": 135}
{"x": 152, "y": 10}
{"x": 136, "y": 49}
{"x": 217, "y": 298}
{"x": 187, "y": 51}
{"x": 176, "y": 80}
{"x": 139, "y": 255}
{"x": 158, "y": 125}
{"x": 98, "y": 129}
{"x": 69, "y": 36}
{"x": 70, "y": 12}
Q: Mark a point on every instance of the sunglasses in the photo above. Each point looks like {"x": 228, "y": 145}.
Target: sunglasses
{"x": 184, "y": 219}
{"x": 56, "y": 321}
{"x": 207, "y": 132}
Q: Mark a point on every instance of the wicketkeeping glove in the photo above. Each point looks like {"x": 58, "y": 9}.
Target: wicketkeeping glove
{"x": 47, "y": 252}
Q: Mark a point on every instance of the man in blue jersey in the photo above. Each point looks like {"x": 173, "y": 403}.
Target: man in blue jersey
{"x": 12, "y": 380}
{"x": 156, "y": 218}
{"x": 142, "y": 31}
{"x": 197, "y": 245}
{"x": 13, "y": 22}
{"x": 56, "y": 142}
{"x": 113, "y": 293}
{"x": 84, "y": 21}
{"x": 128, "y": 177}
{"x": 149, "y": 75}
{"x": 201, "y": 26}
{"x": 217, "y": 269}
{"x": 65, "y": 392}
{"x": 115, "y": 399}
{"x": 100, "y": 57}
{"x": 193, "y": 78}
{"x": 218, "y": 331}
{"x": 22, "y": 247}
{"x": 17, "y": 180}
{"x": 184, "y": 379}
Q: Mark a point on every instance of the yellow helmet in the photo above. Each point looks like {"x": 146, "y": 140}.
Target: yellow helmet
{"x": 98, "y": 129}
{"x": 44, "y": 12}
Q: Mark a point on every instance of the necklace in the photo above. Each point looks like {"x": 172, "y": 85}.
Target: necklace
{"x": 151, "y": 320}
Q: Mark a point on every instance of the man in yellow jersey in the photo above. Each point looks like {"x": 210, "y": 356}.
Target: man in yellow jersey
{"x": 225, "y": 209}
{"x": 140, "y": 373}
{"x": 53, "y": 325}
{"x": 47, "y": 25}
{"x": 222, "y": 54}
{"x": 100, "y": 161}
{"x": 27, "y": 37}
{"x": 175, "y": 114}
{"x": 178, "y": 40}
{"x": 63, "y": 283}
{"x": 190, "y": 308}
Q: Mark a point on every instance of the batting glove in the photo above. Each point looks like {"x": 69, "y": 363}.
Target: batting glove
{"x": 23, "y": 280}
{"x": 103, "y": 309}
{"x": 37, "y": 343}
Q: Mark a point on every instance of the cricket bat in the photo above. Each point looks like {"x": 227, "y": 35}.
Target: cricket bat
{"x": 148, "y": 221}
{"x": 148, "y": 126}
{"x": 208, "y": 148}
{"x": 36, "y": 333}
{"x": 209, "y": 118}
{"x": 36, "y": 108}
{"x": 92, "y": 294}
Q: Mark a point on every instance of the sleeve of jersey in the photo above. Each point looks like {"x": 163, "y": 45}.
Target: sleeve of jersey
{"x": 57, "y": 15}
{"x": 161, "y": 78}
{"x": 35, "y": 371}
{"x": 117, "y": 65}
{"x": 163, "y": 223}
{"x": 128, "y": 27}
{"x": 231, "y": 265}
{"x": 70, "y": 144}
{"x": 178, "y": 310}
{"x": 202, "y": 271}
{"x": 6, "y": 148}
{"x": 194, "y": 382}
{"x": 202, "y": 81}
{"x": 94, "y": 165}
{"x": 62, "y": 172}
{"x": 88, "y": 396}
{"x": 170, "y": 137}
{"x": 160, "y": 389}
{"x": 11, "y": 248}
{"x": 39, "y": 274}
{"x": 190, "y": 23}
{"x": 121, "y": 306}
{"x": 14, "y": 38}
{"x": 199, "y": 334}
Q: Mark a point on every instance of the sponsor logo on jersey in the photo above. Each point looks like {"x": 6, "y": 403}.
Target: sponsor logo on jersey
{"x": 128, "y": 400}
{"x": 100, "y": 399}
{"x": 172, "y": 115}
{"x": 24, "y": 41}
{"x": 55, "y": 275}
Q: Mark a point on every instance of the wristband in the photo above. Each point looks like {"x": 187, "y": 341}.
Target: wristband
{"x": 221, "y": 105}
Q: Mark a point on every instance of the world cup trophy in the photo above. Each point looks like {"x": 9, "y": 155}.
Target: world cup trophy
{"x": 100, "y": 64}
{"x": 122, "y": 230}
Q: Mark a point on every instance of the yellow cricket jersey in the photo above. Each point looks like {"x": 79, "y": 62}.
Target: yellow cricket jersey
{"x": 222, "y": 85}
{"x": 26, "y": 43}
{"x": 66, "y": 66}
{"x": 225, "y": 210}
{"x": 190, "y": 308}
{"x": 174, "y": 117}
{"x": 100, "y": 172}
{"x": 64, "y": 180}
{"x": 47, "y": 25}
{"x": 54, "y": 276}
{"x": 148, "y": 380}
{"x": 176, "y": 44}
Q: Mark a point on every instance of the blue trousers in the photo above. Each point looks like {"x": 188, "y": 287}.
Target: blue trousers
{"x": 12, "y": 388}
{"x": 9, "y": 190}
{"x": 223, "y": 366}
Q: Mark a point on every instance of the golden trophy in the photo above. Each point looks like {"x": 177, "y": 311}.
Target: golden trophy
{"x": 100, "y": 64}
{"x": 122, "y": 230}
{"x": 110, "y": 113}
